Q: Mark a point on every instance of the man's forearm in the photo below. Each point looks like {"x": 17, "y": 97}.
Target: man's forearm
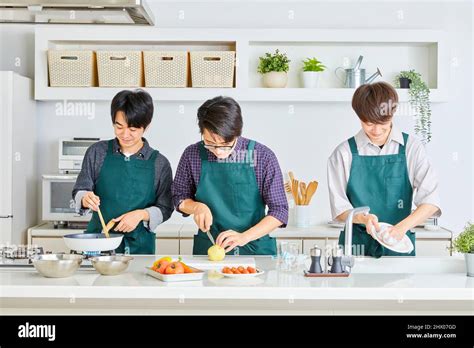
{"x": 421, "y": 213}
{"x": 357, "y": 219}
{"x": 187, "y": 206}
{"x": 264, "y": 227}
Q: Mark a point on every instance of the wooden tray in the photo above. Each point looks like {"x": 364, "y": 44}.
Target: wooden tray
{"x": 326, "y": 274}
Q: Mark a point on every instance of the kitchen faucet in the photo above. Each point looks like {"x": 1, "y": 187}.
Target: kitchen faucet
{"x": 347, "y": 258}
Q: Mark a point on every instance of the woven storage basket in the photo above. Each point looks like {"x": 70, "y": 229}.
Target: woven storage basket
{"x": 72, "y": 68}
{"x": 212, "y": 68}
{"x": 120, "y": 68}
{"x": 166, "y": 69}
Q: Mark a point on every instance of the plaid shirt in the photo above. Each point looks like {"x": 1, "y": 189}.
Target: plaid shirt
{"x": 267, "y": 171}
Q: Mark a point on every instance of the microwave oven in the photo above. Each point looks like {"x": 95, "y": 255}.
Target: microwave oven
{"x": 58, "y": 205}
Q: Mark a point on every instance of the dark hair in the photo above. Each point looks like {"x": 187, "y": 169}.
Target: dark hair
{"x": 375, "y": 102}
{"x": 137, "y": 106}
{"x": 221, "y": 116}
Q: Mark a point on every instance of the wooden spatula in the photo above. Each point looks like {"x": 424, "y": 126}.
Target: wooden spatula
{"x": 295, "y": 187}
{"x": 310, "y": 191}
{"x": 104, "y": 227}
{"x": 303, "y": 192}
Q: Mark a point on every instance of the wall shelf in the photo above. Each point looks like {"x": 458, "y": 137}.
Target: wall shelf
{"x": 423, "y": 50}
{"x": 202, "y": 94}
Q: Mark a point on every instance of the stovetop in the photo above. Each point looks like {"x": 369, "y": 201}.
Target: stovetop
{"x": 21, "y": 256}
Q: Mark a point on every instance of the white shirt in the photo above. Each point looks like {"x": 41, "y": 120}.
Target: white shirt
{"x": 420, "y": 172}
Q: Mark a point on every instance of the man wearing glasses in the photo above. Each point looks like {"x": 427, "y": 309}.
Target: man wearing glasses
{"x": 227, "y": 181}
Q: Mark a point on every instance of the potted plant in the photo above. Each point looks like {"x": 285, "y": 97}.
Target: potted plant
{"x": 419, "y": 100}
{"x": 464, "y": 243}
{"x": 274, "y": 68}
{"x": 312, "y": 68}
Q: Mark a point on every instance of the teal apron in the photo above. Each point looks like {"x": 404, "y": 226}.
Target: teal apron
{"x": 126, "y": 184}
{"x": 231, "y": 192}
{"x": 381, "y": 183}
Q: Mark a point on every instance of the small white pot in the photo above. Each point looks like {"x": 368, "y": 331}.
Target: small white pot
{"x": 302, "y": 215}
{"x": 469, "y": 257}
{"x": 275, "y": 79}
{"x": 311, "y": 79}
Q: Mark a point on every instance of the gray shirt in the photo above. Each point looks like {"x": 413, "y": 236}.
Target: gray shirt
{"x": 92, "y": 164}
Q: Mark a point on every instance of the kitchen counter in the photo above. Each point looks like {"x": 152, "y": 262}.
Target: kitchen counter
{"x": 189, "y": 230}
{"x": 402, "y": 285}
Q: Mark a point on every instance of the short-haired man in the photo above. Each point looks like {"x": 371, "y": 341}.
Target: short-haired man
{"x": 128, "y": 179}
{"x": 226, "y": 182}
{"x": 382, "y": 168}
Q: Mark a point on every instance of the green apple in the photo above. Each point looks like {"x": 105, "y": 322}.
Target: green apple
{"x": 216, "y": 253}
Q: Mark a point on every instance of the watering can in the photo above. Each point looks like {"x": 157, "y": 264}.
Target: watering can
{"x": 354, "y": 77}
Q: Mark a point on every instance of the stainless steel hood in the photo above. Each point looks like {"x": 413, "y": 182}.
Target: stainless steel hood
{"x": 76, "y": 12}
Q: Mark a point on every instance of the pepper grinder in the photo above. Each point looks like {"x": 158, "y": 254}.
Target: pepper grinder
{"x": 335, "y": 261}
{"x": 315, "y": 254}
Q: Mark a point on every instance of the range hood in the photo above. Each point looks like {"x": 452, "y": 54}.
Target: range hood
{"x": 76, "y": 12}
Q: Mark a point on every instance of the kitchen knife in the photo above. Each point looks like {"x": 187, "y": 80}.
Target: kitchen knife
{"x": 211, "y": 238}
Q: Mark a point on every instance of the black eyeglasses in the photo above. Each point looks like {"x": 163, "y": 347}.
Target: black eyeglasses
{"x": 215, "y": 147}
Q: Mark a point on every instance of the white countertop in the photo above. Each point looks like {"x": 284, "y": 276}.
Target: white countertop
{"x": 420, "y": 284}
{"x": 167, "y": 230}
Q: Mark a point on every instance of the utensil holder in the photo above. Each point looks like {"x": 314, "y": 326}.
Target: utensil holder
{"x": 302, "y": 215}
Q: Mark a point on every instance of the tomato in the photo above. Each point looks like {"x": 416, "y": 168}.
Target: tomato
{"x": 175, "y": 268}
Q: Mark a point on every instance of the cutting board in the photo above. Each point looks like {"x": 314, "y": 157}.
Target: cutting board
{"x": 202, "y": 262}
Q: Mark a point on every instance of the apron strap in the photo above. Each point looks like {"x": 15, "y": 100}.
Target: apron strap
{"x": 110, "y": 147}
{"x": 250, "y": 149}
{"x": 202, "y": 151}
{"x": 353, "y": 146}
{"x": 401, "y": 148}
{"x": 153, "y": 155}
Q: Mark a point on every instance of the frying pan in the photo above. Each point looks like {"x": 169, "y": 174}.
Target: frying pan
{"x": 92, "y": 241}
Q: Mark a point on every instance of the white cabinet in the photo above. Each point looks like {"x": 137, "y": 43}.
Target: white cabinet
{"x": 186, "y": 246}
{"x": 310, "y": 243}
{"x": 297, "y": 241}
{"x": 431, "y": 247}
{"x": 167, "y": 246}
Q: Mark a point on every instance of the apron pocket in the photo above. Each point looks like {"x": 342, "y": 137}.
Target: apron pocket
{"x": 394, "y": 192}
{"x": 243, "y": 198}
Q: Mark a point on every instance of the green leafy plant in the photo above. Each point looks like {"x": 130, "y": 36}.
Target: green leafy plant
{"x": 313, "y": 64}
{"x": 277, "y": 61}
{"x": 464, "y": 243}
{"x": 420, "y": 101}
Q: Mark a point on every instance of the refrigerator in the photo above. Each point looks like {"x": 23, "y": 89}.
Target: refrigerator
{"x": 18, "y": 179}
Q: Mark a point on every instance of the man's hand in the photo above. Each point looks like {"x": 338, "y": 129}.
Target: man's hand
{"x": 371, "y": 222}
{"x": 90, "y": 201}
{"x": 129, "y": 221}
{"x": 395, "y": 232}
{"x": 230, "y": 239}
{"x": 202, "y": 216}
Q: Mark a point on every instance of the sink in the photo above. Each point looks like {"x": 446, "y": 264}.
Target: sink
{"x": 413, "y": 265}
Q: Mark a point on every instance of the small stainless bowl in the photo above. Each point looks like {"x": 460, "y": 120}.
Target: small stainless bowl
{"x": 110, "y": 265}
{"x": 57, "y": 265}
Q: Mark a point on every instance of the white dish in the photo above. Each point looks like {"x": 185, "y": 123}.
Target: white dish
{"x": 404, "y": 246}
{"x": 431, "y": 227}
{"x": 197, "y": 275}
{"x": 336, "y": 224}
{"x": 241, "y": 276}
{"x": 203, "y": 263}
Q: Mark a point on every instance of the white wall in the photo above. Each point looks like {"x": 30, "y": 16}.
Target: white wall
{"x": 302, "y": 140}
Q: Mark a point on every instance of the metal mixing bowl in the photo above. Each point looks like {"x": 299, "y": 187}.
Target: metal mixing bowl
{"x": 57, "y": 265}
{"x": 111, "y": 265}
